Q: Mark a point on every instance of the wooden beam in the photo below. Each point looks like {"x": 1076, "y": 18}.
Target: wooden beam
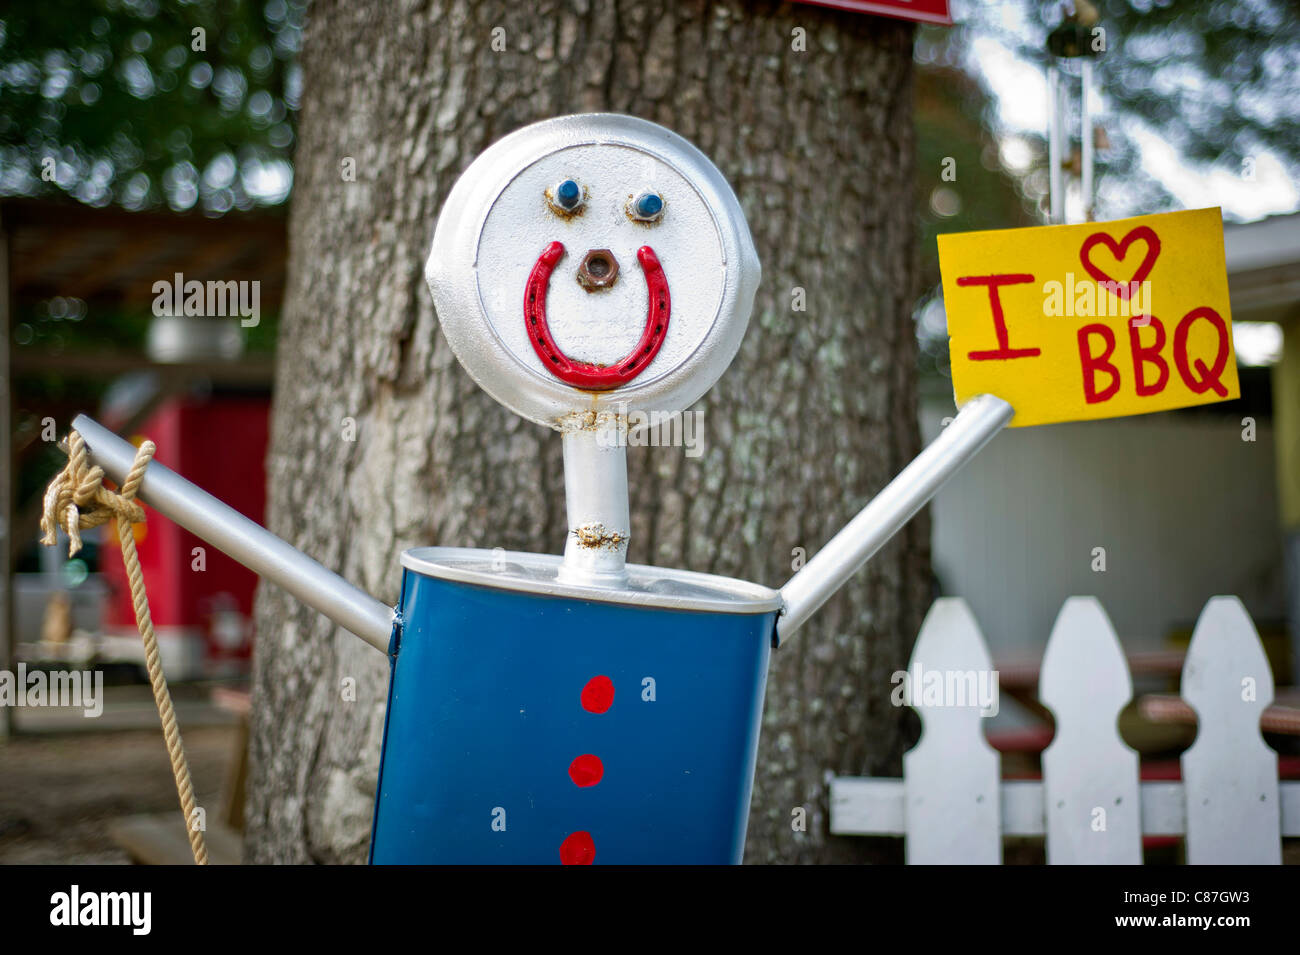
{"x": 8, "y": 643}
{"x": 44, "y": 257}
{"x": 213, "y": 258}
{"x": 874, "y": 807}
{"x": 21, "y": 213}
{"x": 106, "y": 272}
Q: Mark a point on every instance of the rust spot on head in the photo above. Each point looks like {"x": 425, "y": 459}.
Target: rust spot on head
{"x": 598, "y": 536}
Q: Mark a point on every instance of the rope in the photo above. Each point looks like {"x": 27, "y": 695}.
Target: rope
{"x": 77, "y": 499}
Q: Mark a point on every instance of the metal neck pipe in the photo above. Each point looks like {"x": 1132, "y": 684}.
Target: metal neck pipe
{"x": 975, "y": 425}
{"x": 595, "y": 495}
{"x": 246, "y": 541}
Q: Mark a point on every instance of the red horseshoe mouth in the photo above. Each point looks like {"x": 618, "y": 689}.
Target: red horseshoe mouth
{"x": 586, "y": 375}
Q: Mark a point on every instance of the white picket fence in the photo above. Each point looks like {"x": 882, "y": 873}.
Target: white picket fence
{"x": 951, "y": 805}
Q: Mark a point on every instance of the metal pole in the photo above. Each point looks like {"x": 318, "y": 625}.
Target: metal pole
{"x": 246, "y": 541}
{"x": 595, "y": 494}
{"x": 1085, "y": 137}
{"x": 1055, "y": 188}
{"x": 975, "y": 425}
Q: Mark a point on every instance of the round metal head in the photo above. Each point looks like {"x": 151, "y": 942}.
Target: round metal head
{"x": 592, "y": 262}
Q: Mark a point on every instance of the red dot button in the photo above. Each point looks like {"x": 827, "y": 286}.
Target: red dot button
{"x": 598, "y": 694}
{"x": 586, "y": 770}
{"x": 578, "y": 849}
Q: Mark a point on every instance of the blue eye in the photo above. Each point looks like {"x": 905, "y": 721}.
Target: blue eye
{"x": 647, "y": 207}
{"x": 567, "y": 196}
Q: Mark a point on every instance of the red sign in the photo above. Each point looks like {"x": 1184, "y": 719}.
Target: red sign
{"x": 922, "y": 11}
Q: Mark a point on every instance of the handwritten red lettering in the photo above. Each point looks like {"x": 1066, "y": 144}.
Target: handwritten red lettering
{"x": 1148, "y": 355}
{"x": 1004, "y": 350}
{"x": 1091, "y": 364}
{"x": 1119, "y": 249}
{"x": 1209, "y": 377}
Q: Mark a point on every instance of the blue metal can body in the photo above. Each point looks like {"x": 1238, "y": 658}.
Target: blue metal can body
{"x": 503, "y": 744}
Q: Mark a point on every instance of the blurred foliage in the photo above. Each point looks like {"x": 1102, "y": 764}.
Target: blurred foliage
{"x": 117, "y": 94}
{"x": 962, "y": 185}
{"x": 134, "y": 114}
{"x": 145, "y": 102}
{"x": 1218, "y": 81}
{"x": 962, "y": 182}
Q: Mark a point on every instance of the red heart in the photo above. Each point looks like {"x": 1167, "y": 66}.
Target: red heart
{"x": 1119, "y": 250}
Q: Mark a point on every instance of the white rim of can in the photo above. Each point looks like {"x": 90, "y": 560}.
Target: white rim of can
{"x": 657, "y": 587}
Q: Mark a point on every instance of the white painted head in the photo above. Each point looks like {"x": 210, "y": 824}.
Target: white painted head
{"x": 596, "y": 261}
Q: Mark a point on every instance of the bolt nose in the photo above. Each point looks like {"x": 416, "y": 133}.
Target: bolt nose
{"x": 600, "y": 265}
{"x": 599, "y": 269}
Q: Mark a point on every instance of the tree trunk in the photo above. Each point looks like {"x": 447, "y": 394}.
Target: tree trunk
{"x": 381, "y": 442}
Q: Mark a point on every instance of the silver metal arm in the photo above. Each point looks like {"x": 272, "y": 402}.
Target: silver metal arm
{"x": 975, "y": 425}
{"x": 246, "y": 541}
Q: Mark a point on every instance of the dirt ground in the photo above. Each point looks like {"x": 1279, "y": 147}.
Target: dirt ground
{"x": 59, "y": 791}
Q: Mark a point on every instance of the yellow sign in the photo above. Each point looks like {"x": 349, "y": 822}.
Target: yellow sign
{"x": 1095, "y": 320}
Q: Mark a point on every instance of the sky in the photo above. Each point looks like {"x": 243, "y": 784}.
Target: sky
{"x": 1020, "y": 88}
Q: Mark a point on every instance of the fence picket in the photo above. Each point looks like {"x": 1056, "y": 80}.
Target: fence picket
{"x": 951, "y": 808}
{"x": 1230, "y": 773}
{"x": 951, "y": 776}
{"x": 1090, "y": 775}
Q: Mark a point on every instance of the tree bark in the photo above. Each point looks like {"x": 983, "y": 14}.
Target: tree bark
{"x": 381, "y": 442}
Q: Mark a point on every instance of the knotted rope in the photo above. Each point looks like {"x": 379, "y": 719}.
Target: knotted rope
{"x": 77, "y": 499}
